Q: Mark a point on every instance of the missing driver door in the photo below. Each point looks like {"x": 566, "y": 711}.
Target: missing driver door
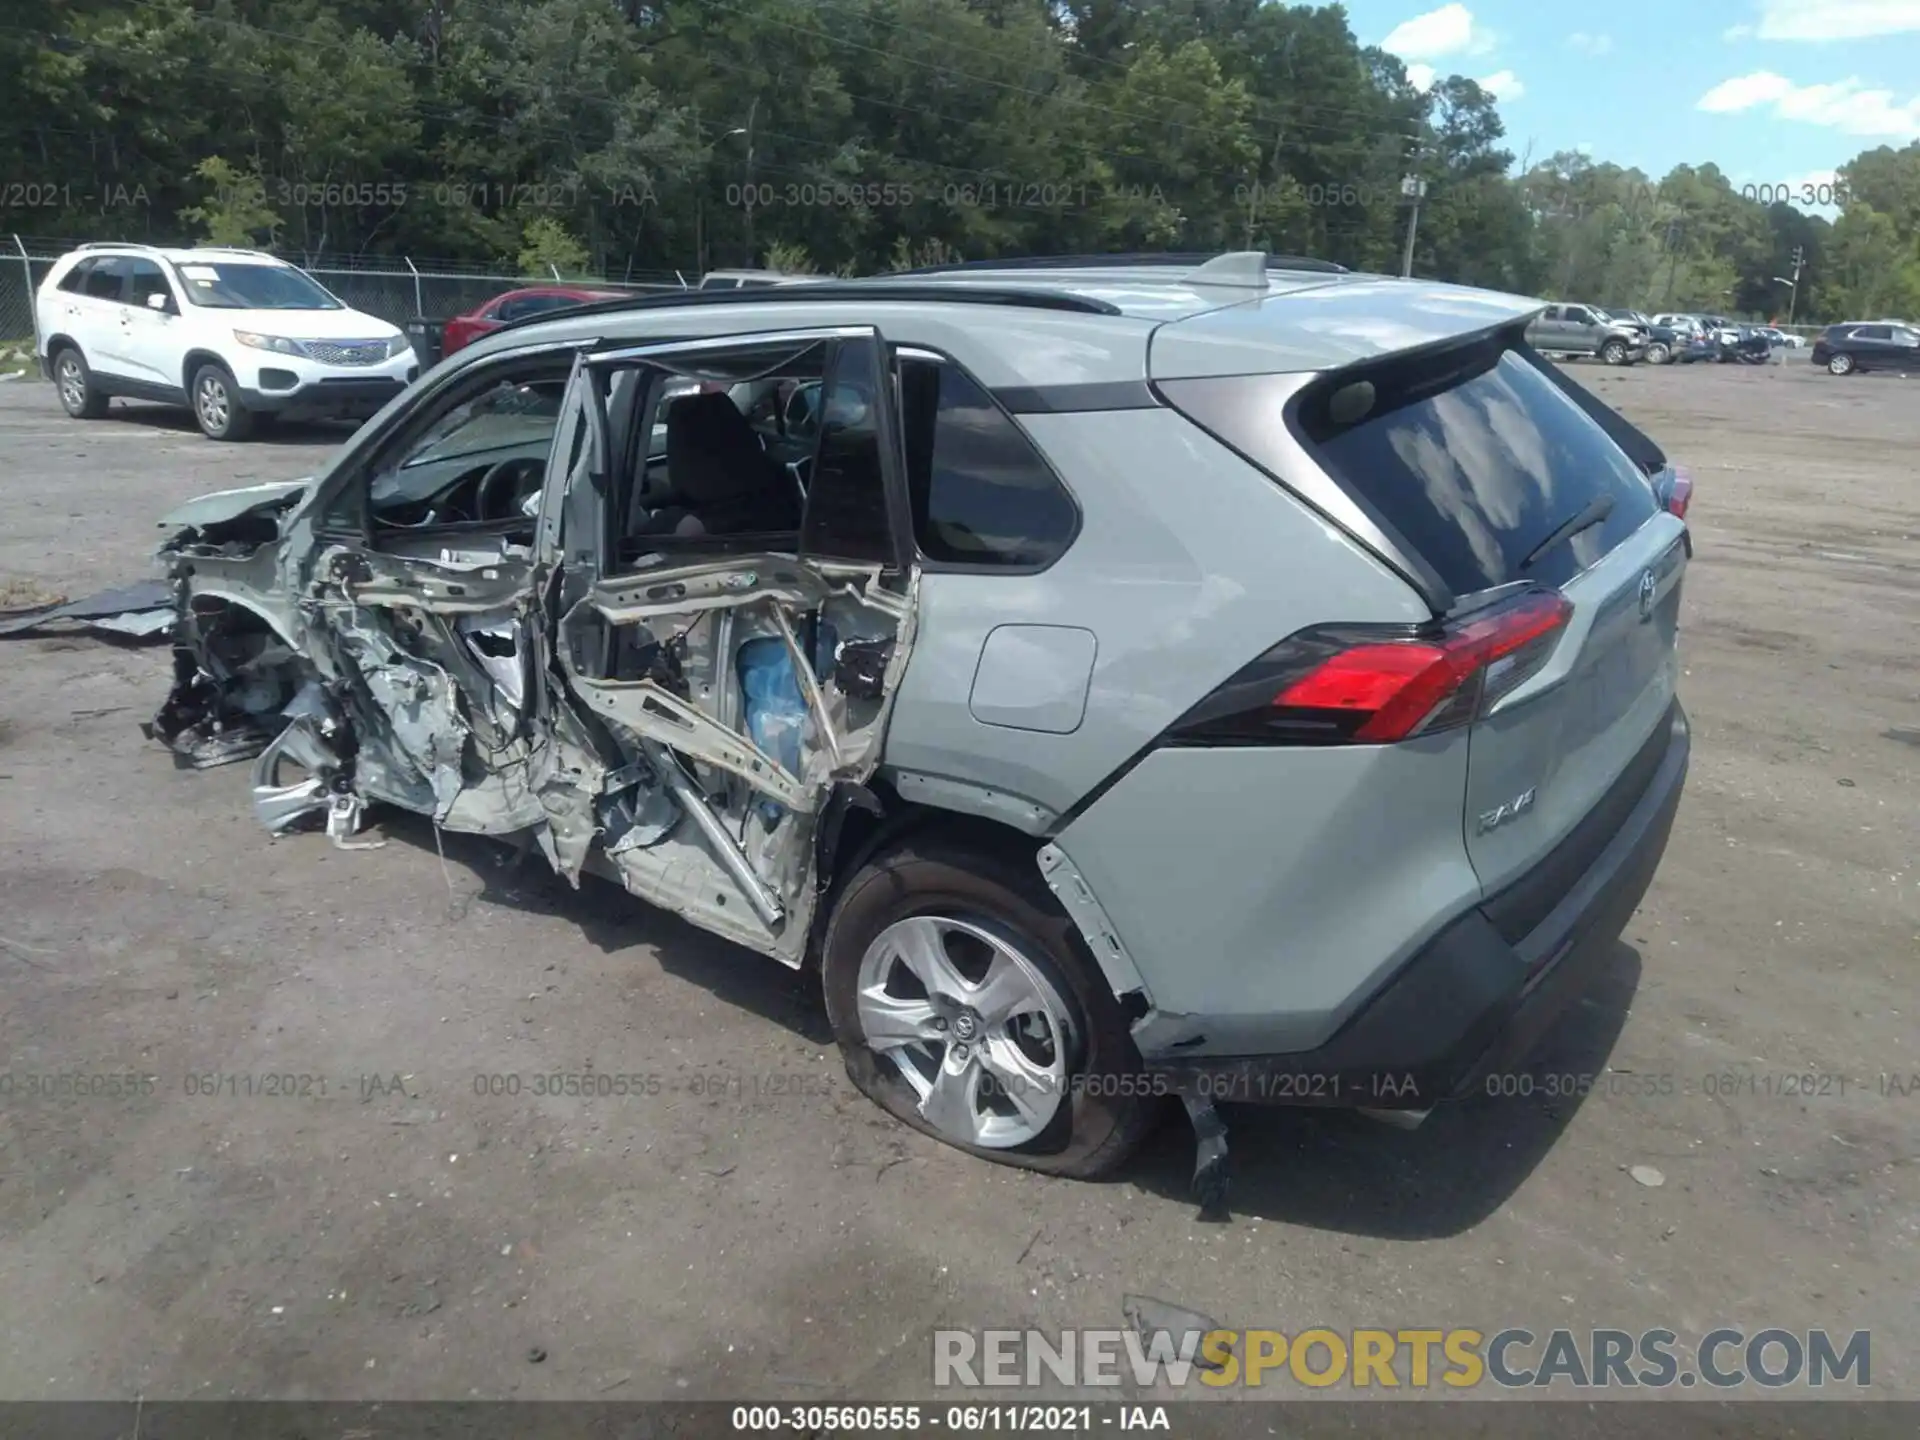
{"x": 734, "y": 607}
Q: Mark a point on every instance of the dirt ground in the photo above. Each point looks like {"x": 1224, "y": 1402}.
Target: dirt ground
{"x": 758, "y": 1229}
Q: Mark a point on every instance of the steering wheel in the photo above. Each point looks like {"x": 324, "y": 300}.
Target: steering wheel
{"x": 496, "y": 476}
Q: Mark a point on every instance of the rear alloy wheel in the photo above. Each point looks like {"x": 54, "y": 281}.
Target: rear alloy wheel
{"x": 1658, "y": 353}
{"x": 966, "y": 1006}
{"x": 217, "y": 407}
{"x": 1614, "y": 352}
{"x": 74, "y": 380}
{"x": 1840, "y": 365}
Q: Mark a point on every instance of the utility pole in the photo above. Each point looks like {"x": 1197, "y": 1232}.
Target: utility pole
{"x": 1673, "y": 262}
{"x": 1415, "y": 189}
{"x": 751, "y": 110}
{"x": 1253, "y": 198}
{"x": 1793, "y": 294}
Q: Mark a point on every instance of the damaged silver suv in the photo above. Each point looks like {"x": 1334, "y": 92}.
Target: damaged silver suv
{"x": 1123, "y": 678}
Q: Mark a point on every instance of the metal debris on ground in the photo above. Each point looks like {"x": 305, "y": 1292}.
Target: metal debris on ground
{"x": 143, "y": 611}
{"x": 1183, "y": 1327}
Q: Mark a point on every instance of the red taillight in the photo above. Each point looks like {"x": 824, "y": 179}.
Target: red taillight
{"x": 1358, "y": 685}
{"x": 1680, "y": 492}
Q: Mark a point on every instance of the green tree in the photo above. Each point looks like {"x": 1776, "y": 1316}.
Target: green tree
{"x": 236, "y": 211}
{"x": 548, "y": 249}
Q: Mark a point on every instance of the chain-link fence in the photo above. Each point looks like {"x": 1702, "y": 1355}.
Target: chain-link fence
{"x": 397, "y": 292}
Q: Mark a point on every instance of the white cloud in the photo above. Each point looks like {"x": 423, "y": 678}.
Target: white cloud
{"x": 1847, "y": 106}
{"x": 1502, "y": 85}
{"x": 1589, "y": 44}
{"x": 1837, "y": 19}
{"x": 1746, "y": 91}
{"x": 1450, "y": 30}
{"x": 1421, "y": 77}
{"x": 1736, "y": 32}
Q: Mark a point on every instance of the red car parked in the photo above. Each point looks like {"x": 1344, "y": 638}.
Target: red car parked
{"x": 517, "y": 305}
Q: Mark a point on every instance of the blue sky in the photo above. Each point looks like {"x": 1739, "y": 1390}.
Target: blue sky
{"x": 1771, "y": 91}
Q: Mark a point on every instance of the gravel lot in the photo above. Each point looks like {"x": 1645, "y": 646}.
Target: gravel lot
{"x": 783, "y": 1239}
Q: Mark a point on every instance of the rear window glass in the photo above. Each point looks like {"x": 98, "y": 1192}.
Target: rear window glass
{"x": 1472, "y": 458}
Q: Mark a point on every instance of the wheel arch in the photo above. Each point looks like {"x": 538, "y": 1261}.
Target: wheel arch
{"x": 859, "y": 826}
{"x": 191, "y": 362}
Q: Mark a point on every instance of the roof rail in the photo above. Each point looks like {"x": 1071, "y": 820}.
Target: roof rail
{"x": 1184, "y": 260}
{"x": 115, "y": 245}
{"x": 831, "y": 291}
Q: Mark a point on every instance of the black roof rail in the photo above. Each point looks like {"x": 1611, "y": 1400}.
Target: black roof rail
{"x": 1183, "y": 259}
{"x": 828, "y": 292}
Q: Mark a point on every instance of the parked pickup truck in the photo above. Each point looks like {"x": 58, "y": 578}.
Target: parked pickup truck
{"x": 1586, "y": 330}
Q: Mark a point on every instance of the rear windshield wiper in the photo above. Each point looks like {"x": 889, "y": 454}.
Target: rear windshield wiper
{"x": 1596, "y": 510}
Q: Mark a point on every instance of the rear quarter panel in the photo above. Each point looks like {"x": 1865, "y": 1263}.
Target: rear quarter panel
{"x": 1189, "y": 563}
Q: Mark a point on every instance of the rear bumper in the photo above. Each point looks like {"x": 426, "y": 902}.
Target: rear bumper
{"x": 1470, "y": 1001}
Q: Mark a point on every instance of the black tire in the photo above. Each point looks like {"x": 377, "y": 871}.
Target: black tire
{"x": 72, "y": 378}
{"x": 217, "y": 410}
{"x": 1658, "y": 353}
{"x": 1094, "y": 1132}
{"x": 1614, "y": 352}
{"x": 1840, "y": 364}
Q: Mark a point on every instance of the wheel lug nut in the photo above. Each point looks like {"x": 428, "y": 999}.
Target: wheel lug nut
{"x": 962, "y": 1052}
{"x": 939, "y": 1022}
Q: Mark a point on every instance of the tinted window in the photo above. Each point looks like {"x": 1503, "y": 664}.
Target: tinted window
{"x": 534, "y": 305}
{"x": 144, "y": 279}
{"x": 74, "y": 282}
{"x": 103, "y": 281}
{"x": 981, "y": 493}
{"x": 1473, "y": 457}
{"x": 1873, "y": 332}
{"x": 846, "y": 499}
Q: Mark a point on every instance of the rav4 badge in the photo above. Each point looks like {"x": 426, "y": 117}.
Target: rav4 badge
{"x": 1508, "y": 810}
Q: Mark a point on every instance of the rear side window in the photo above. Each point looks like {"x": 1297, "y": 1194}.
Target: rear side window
{"x": 981, "y": 493}
{"x": 1472, "y": 457}
{"x": 103, "y": 279}
{"x": 74, "y": 282}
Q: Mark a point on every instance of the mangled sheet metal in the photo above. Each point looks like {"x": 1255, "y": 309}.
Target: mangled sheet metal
{"x": 142, "y": 611}
{"x": 681, "y": 731}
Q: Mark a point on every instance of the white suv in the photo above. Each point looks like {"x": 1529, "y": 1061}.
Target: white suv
{"x": 233, "y": 334}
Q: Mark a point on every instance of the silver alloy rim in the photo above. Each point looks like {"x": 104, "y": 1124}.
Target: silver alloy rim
{"x": 1840, "y": 364}
{"x": 971, "y": 1024}
{"x": 212, "y": 400}
{"x": 73, "y": 389}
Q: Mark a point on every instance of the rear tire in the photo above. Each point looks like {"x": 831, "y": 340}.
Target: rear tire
{"x": 216, "y": 404}
{"x": 1840, "y": 365}
{"x": 1102, "y": 1104}
{"x": 79, "y": 396}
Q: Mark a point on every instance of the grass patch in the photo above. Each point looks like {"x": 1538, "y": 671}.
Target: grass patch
{"x": 17, "y": 358}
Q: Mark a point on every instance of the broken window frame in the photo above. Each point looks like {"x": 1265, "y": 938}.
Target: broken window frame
{"x": 673, "y": 357}
{"x": 346, "y": 513}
